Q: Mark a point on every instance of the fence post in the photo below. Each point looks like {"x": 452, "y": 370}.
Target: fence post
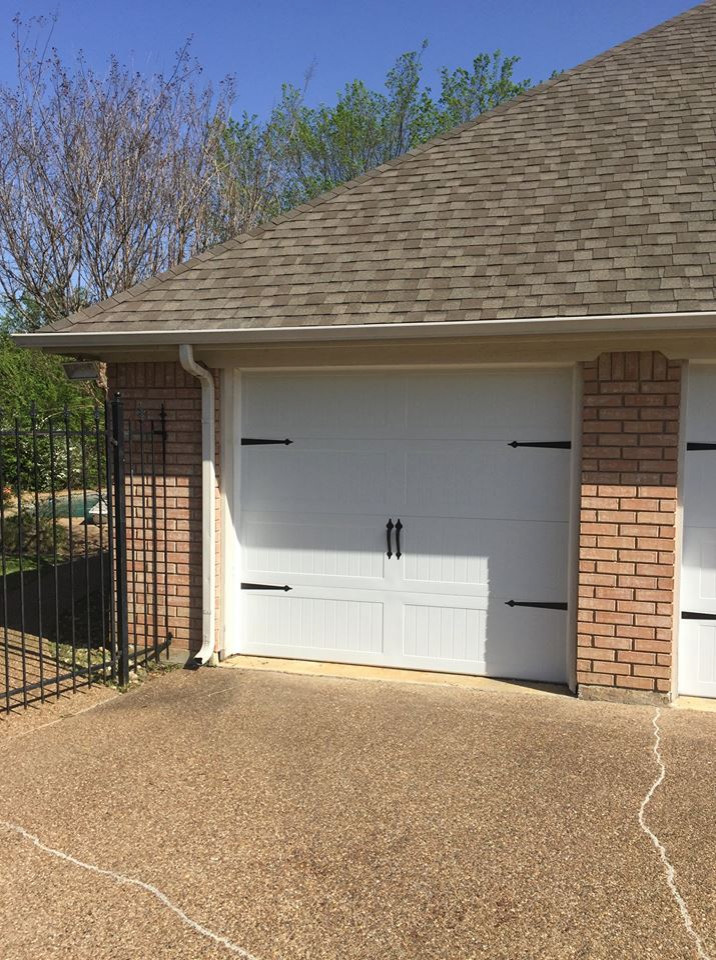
{"x": 120, "y": 539}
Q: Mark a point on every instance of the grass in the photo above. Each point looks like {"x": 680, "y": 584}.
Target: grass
{"x": 29, "y": 561}
{"x": 83, "y": 656}
{"x": 12, "y": 564}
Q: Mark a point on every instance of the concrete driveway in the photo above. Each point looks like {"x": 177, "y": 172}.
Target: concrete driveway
{"x": 297, "y": 817}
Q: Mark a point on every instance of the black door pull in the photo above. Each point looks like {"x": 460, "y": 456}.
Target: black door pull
{"x": 398, "y": 528}
{"x": 389, "y": 530}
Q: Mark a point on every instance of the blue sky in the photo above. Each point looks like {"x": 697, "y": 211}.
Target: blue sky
{"x": 266, "y": 42}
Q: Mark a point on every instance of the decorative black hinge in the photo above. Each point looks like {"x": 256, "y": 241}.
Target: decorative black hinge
{"x": 266, "y": 586}
{"x": 701, "y": 446}
{"x": 691, "y": 615}
{"x": 530, "y": 603}
{"x": 260, "y": 442}
{"x": 554, "y": 444}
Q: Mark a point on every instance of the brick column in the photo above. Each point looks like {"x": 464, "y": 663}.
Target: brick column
{"x": 627, "y": 526}
{"x": 148, "y": 386}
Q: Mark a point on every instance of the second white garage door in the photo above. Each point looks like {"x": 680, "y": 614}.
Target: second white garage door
{"x": 697, "y": 628}
{"x": 404, "y": 516}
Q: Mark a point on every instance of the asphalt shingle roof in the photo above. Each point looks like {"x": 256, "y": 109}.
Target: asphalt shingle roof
{"x": 593, "y": 193}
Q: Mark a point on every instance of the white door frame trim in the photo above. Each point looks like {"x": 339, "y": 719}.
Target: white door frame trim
{"x": 230, "y": 479}
{"x": 679, "y": 522}
{"x": 575, "y": 506}
{"x": 229, "y": 601}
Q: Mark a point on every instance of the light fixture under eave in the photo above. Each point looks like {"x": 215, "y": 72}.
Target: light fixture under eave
{"x": 83, "y": 370}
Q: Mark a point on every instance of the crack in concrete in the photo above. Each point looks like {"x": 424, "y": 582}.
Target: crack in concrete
{"x": 118, "y": 877}
{"x": 131, "y": 881}
{"x": 669, "y": 870}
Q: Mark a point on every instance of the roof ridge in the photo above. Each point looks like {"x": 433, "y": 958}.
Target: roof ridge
{"x": 295, "y": 212}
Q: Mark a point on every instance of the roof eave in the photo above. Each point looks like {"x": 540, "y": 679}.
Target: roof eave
{"x": 619, "y": 323}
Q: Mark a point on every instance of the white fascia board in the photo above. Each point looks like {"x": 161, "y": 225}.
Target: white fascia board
{"x": 619, "y": 323}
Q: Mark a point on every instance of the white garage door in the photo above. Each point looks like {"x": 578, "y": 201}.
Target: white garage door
{"x": 697, "y": 628}
{"x": 403, "y": 521}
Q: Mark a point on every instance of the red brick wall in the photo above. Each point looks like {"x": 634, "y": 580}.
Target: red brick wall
{"x": 627, "y": 523}
{"x": 146, "y": 386}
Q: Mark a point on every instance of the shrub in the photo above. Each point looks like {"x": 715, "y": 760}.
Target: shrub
{"x": 22, "y": 535}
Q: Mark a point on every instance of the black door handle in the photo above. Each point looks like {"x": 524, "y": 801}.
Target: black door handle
{"x": 388, "y": 531}
{"x": 398, "y": 528}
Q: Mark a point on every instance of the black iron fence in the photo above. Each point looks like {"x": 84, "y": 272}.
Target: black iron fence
{"x": 139, "y": 443}
{"x": 83, "y": 565}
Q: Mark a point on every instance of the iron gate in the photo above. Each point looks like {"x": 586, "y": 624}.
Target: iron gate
{"x": 84, "y": 571}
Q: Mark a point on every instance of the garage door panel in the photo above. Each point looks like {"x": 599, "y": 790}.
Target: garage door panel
{"x": 504, "y": 559}
{"x": 487, "y": 480}
{"x": 327, "y": 479}
{"x": 313, "y": 626}
{"x": 483, "y": 637}
{"x": 448, "y": 634}
{"x": 699, "y": 569}
{"x": 489, "y": 406}
{"x": 349, "y": 548}
{"x": 697, "y": 658}
{"x": 291, "y": 405}
{"x": 699, "y": 474}
{"x": 444, "y": 552}
{"x": 700, "y": 406}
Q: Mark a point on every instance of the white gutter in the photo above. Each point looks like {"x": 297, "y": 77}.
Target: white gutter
{"x": 602, "y": 323}
{"x": 208, "y": 504}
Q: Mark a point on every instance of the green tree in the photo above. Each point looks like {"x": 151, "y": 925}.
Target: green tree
{"x": 33, "y": 380}
{"x": 314, "y": 149}
{"x": 249, "y": 166}
{"x": 465, "y": 94}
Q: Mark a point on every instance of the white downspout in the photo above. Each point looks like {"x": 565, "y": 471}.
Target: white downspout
{"x": 208, "y": 504}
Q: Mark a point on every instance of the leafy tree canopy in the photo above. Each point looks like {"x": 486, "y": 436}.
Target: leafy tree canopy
{"x": 301, "y": 150}
{"x": 29, "y": 377}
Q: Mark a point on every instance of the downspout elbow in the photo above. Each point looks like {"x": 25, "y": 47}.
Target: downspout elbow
{"x": 208, "y": 504}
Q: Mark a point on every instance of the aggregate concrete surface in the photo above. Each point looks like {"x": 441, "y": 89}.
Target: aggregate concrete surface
{"x": 305, "y": 817}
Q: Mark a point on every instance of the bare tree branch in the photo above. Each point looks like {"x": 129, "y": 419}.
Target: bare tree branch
{"x": 104, "y": 179}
